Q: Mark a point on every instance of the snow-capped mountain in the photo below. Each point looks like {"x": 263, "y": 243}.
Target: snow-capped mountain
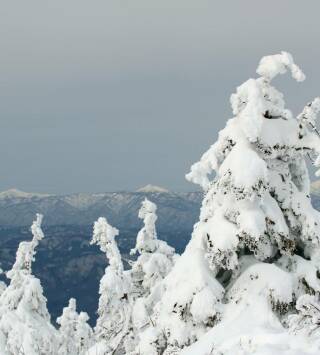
{"x": 152, "y": 189}
{"x": 18, "y": 194}
{"x": 176, "y": 210}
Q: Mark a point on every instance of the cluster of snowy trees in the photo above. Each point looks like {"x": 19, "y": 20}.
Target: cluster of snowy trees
{"x": 249, "y": 279}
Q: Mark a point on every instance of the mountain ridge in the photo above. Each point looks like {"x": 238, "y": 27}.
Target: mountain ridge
{"x": 18, "y": 208}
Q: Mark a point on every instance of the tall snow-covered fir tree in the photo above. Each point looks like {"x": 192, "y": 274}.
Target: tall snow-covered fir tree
{"x": 24, "y": 319}
{"x": 255, "y": 249}
{"x": 115, "y": 304}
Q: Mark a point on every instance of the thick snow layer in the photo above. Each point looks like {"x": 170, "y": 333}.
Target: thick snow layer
{"x": 189, "y": 303}
{"x": 249, "y": 325}
{"x": 249, "y": 333}
{"x": 100, "y": 348}
{"x": 232, "y": 168}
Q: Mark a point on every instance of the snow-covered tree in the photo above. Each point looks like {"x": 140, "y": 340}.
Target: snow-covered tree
{"x": 24, "y": 319}
{"x": 153, "y": 264}
{"x": 67, "y": 330}
{"x": 156, "y": 257}
{"x": 75, "y": 334}
{"x": 256, "y": 244}
{"x": 114, "y": 313}
{"x": 84, "y": 334}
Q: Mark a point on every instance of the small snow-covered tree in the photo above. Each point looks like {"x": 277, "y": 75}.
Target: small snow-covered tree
{"x": 155, "y": 260}
{"x": 114, "y": 313}
{"x": 75, "y": 334}
{"x": 255, "y": 245}
{"x": 156, "y": 256}
{"x": 24, "y": 319}
{"x": 84, "y": 334}
{"x": 67, "y": 330}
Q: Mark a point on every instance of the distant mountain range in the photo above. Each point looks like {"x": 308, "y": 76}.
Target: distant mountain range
{"x": 175, "y": 210}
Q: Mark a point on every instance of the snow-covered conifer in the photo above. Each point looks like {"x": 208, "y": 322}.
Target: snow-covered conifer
{"x": 84, "y": 334}
{"x": 114, "y": 313}
{"x": 75, "y": 334}
{"x": 67, "y": 330}
{"x": 255, "y": 245}
{"x": 156, "y": 259}
{"x": 24, "y": 319}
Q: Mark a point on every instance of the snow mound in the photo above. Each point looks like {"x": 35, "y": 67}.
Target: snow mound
{"x": 152, "y": 188}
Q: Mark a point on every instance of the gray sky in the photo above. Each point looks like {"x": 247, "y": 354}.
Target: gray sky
{"x": 114, "y": 94}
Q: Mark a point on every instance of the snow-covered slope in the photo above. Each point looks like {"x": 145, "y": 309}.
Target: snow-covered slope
{"x": 176, "y": 210}
{"x": 18, "y": 194}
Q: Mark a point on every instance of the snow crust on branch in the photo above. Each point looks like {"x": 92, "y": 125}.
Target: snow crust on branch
{"x": 27, "y": 250}
{"x": 273, "y": 65}
{"x": 104, "y": 236}
{"x": 147, "y": 236}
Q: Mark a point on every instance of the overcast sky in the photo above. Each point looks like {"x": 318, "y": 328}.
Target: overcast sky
{"x": 114, "y": 94}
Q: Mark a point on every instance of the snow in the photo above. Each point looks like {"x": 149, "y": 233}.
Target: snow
{"x": 83, "y": 200}
{"x": 232, "y": 170}
{"x": 272, "y": 65}
{"x": 75, "y": 334}
{"x": 15, "y": 193}
{"x": 104, "y": 235}
{"x": 248, "y": 324}
{"x": 152, "y": 189}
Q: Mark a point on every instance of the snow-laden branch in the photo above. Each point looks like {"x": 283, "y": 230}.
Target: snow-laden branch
{"x": 27, "y": 250}
{"x": 310, "y": 112}
{"x": 104, "y": 236}
{"x": 147, "y": 236}
{"x": 272, "y": 65}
